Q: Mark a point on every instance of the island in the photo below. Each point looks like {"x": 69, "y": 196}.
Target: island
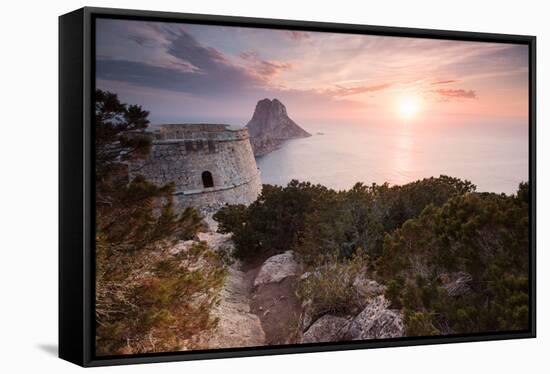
{"x": 271, "y": 126}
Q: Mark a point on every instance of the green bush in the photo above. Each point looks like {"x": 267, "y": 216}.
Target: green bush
{"x": 274, "y": 222}
{"x": 329, "y": 288}
{"x": 313, "y": 220}
{"x": 413, "y": 234}
{"x": 419, "y": 324}
{"x": 483, "y": 235}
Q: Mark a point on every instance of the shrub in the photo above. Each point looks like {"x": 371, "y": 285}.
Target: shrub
{"x": 483, "y": 235}
{"x": 274, "y": 221}
{"x": 419, "y": 324}
{"x": 329, "y": 288}
{"x": 393, "y": 291}
{"x": 158, "y": 301}
{"x": 313, "y": 220}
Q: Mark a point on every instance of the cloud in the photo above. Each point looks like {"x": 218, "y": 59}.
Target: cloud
{"x": 444, "y": 82}
{"x": 183, "y": 65}
{"x": 172, "y": 58}
{"x": 141, "y": 40}
{"x": 187, "y": 48}
{"x": 299, "y": 35}
{"x": 214, "y": 69}
{"x": 347, "y": 91}
{"x": 448, "y": 94}
{"x": 264, "y": 69}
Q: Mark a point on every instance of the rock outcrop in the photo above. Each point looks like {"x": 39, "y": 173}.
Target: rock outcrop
{"x": 237, "y": 326}
{"x": 328, "y": 328}
{"x": 363, "y": 288}
{"x": 274, "y": 298}
{"x": 277, "y": 268}
{"x": 376, "y": 321}
{"x": 258, "y": 306}
{"x": 270, "y": 126}
{"x": 367, "y": 288}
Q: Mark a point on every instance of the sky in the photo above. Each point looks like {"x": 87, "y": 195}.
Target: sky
{"x": 198, "y": 73}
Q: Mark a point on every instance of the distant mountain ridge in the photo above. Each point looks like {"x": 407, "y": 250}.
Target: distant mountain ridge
{"x": 270, "y": 126}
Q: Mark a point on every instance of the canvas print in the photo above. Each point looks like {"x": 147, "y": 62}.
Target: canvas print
{"x": 263, "y": 187}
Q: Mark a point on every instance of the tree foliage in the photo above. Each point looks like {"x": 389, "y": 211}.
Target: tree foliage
{"x": 275, "y": 221}
{"x": 147, "y": 299}
{"x": 453, "y": 260}
{"x": 482, "y": 235}
{"x": 315, "y": 220}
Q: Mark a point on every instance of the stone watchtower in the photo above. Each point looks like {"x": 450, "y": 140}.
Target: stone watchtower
{"x": 210, "y": 164}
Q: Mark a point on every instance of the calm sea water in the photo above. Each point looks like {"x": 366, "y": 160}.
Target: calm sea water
{"x": 493, "y": 156}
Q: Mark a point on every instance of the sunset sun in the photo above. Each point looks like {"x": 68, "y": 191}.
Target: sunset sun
{"x": 408, "y": 107}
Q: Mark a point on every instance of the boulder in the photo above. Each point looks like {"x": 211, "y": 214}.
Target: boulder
{"x": 328, "y": 328}
{"x": 376, "y": 321}
{"x": 367, "y": 288}
{"x": 277, "y": 268}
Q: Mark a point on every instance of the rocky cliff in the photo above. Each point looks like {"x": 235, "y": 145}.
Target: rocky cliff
{"x": 270, "y": 126}
{"x": 259, "y": 305}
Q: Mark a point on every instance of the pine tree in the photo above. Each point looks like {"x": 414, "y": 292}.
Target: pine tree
{"x": 145, "y": 296}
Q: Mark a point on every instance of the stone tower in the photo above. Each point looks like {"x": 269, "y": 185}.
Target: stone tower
{"x": 210, "y": 164}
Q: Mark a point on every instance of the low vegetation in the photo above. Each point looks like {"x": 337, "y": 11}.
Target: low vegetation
{"x": 313, "y": 219}
{"x": 452, "y": 260}
{"x": 483, "y": 236}
{"x": 329, "y": 289}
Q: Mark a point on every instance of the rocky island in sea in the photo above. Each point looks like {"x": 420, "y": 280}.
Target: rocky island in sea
{"x": 270, "y": 126}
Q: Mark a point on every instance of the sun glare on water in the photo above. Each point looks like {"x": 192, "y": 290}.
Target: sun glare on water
{"x": 408, "y": 107}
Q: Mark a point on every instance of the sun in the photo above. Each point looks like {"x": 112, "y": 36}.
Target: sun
{"x": 408, "y": 107}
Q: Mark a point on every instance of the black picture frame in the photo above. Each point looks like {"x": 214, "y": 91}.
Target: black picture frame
{"x": 76, "y": 187}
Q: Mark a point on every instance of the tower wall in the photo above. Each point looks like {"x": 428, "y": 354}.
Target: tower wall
{"x": 182, "y": 153}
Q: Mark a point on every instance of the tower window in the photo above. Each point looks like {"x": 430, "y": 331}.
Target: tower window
{"x": 207, "y": 180}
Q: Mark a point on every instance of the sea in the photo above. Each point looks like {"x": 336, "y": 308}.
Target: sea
{"x": 494, "y": 155}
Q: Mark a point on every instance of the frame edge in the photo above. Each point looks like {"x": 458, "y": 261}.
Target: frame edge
{"x": 78, "y": 343}
{"x": 71, "y": 255}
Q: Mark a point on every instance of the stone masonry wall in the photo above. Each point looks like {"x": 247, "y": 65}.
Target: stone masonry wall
{"x": 181, "y": 153}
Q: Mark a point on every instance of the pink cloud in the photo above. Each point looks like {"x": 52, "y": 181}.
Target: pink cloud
{"x": 444, "y": 82}
{"x": 449, "y": 94}
{"x": 264, "y": 69}
{"x": 347, "y": 91}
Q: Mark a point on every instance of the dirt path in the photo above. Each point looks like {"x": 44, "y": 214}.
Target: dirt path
{"x": 277, "y": 306}
{"x": 253, "y": 316}
{"x": 237, "y": 325}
